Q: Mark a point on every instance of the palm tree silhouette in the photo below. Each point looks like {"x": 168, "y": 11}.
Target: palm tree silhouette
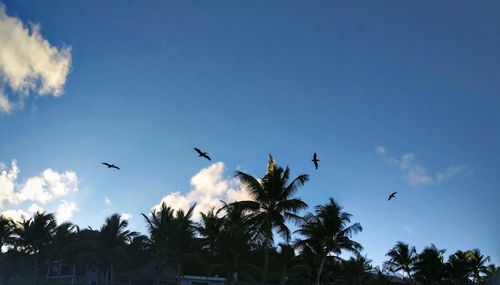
{"x": 402, "y": 257}
{"x": 112, "y": 239}
{"x": 228, "y": 239}
{"x": 171, "y": 237}
{"x": 478, "y": 263}
{"x": 34, "y": 235}
{"x": 458, "y": 268}
{"x": 430, "y": 268}
{"x": 273, "y": 205}
{"x": 328, "y": 231}
{"x": 354, "y": 271}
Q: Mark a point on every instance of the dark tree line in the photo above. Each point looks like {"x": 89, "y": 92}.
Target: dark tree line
{"x": 236, "y": 240}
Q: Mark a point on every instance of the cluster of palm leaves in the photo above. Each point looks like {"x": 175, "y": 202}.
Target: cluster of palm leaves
{"x": 236, "y": 240}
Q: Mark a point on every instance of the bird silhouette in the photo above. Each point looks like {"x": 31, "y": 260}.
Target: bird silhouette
{"x": 202, "y": 154}
{"x": 393, "y": 195}
{"x": 315, "y": 160}
{"x": 111, "y": 165}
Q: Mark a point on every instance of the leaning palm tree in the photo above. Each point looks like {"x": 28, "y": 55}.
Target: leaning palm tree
{"x": 328, "y": 232}
{"x": 272, "y": 205}
{"x": 33, "y": 236}
{"x": 171, "y": 237}
{"x": 402, "y": 257}
{"x": 478, "y": 264}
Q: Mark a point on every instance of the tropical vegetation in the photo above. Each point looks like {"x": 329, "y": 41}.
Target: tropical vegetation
{"x": 237, "y": 241}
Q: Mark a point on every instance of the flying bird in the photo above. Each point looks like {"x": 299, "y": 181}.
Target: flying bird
{"x": 111, "y": 165}
{"x": 315, "y": 160}
{"x": 202, "y": 154}
{"x": 393, "y": 195}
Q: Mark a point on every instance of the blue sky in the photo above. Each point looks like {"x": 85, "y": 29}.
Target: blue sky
{"x": 148, "y": 81}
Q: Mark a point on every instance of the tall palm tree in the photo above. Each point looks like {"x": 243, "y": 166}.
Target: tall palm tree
{"x": 112, "y": 239}
{"x": 34, "y": 236}
{"x": 328, "y": 232}
{"x": 478, "y": 263}
{"x": 430, "y": 268}
{"x": 272, "y": 205}
{"x": 402, "y": 257}
{"x": 171, "y": 237}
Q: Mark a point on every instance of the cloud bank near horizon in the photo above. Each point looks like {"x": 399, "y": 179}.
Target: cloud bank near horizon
{"x": 45, "y": 192}
{"x": 29, "y": 64}
{"x": 208, "y": 187}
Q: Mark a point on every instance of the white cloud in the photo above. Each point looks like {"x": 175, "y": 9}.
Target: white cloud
{"x": 28, "y": 63}
{"x": 65, "y": 211}
{"x": 208, "y": 188}
{"x": 47, "y": 189}
{"x": 126, "y": 216}
{"x": 7, "y": 182}
{"x": 49, "y": 185}
{"x": 107, "y": 201}
{"x": 416, "y": 174}
{"x": 380, "y": 150}
{"x": 408, "y": 229}
{"x": 452, "y": 171}
{"x": 34, "y": 208}
{"x": 16, "y": 215}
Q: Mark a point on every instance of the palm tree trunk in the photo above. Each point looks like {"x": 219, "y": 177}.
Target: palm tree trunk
{"x": 112, "y": 269}
{"x": 35, "y": 268}
{"x": 179, "y": 270}
{"x": 266, "y": 265}
{"x": 98, "y": 276}
{"x": 73, "y": 275}
{"x": 320, "y": 270}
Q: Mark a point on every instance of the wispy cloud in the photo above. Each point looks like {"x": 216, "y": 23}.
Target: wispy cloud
{"x": 126, "y": 216}
{"x": 208, "y": 188}
{"x": 28, "y": 63}
{"x": 24, "y": 198}
{"x": 416, "y": 174}
{"x": 107, "y": 201}
{"x": 408, "y": 229}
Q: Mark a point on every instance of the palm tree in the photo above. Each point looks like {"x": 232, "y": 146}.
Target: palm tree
{"x": 354, "y": 271}
{"x": 111, "y": 242}
{"x": 430, "y": 268}
{"x": 458, "y": 268}
{"x": 287, "y": 263}
{"x": 273, "y": 204}
{"x": 34, "y": 236}
{"x": 477, "y": 262}
{"x": 171, "y": 237}
{"x": 327, "y": 232}
{"x": 228, "y": 241}
{"x": 6, "y": 237}
{"x": 402, "y": 258}
{"x": 63, "y": 238}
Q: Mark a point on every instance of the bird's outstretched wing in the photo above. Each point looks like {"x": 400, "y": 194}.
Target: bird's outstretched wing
{"x": 107, "y": 164}
{"x": 198, "y": 151}
{"x": 392, "y": 196}
{"x": 207, "y": 157}
{"x": 114, "y": 166}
